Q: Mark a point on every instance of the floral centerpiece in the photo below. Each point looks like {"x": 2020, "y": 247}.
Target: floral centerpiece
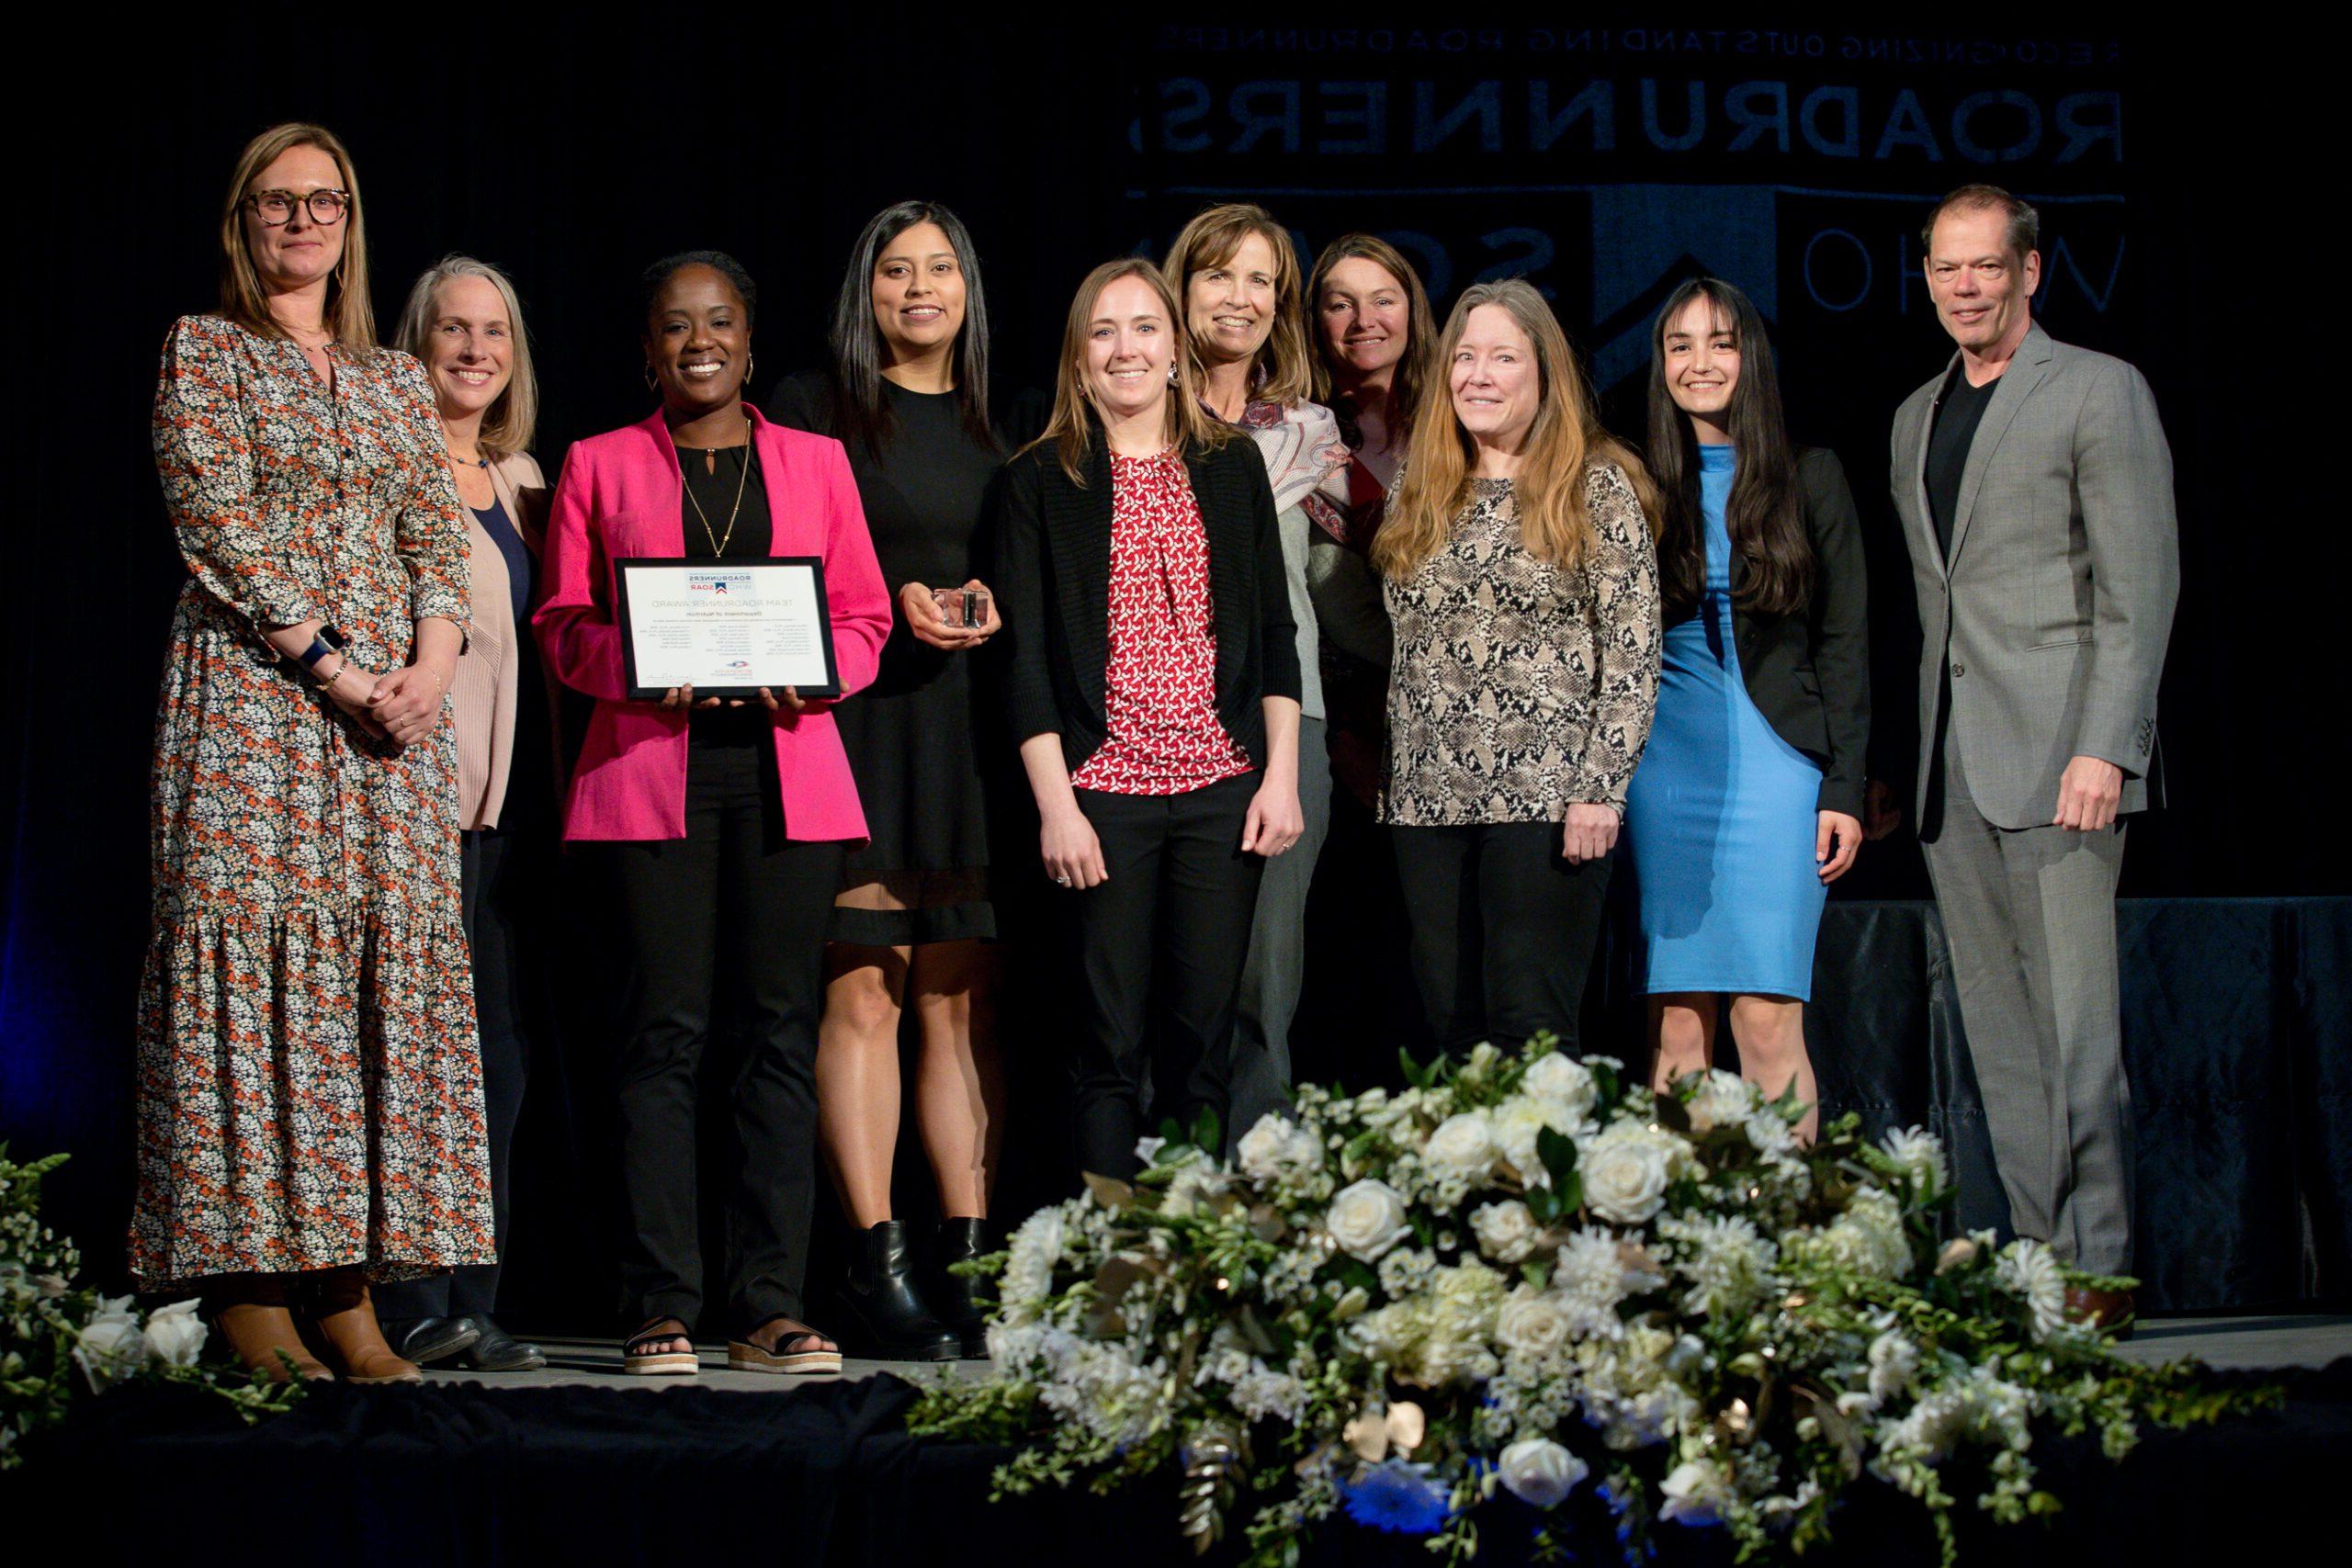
{"x": 1527, "y": 1274}
{"x": 56, "y": 1336}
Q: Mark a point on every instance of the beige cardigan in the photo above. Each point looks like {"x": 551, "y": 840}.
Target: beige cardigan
{"x": 483, "y": 692}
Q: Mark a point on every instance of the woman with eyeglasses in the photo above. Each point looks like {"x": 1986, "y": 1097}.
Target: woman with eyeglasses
{"x": 309, "y": 1087}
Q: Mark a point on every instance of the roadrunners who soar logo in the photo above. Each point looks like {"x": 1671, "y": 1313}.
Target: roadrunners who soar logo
{"x": 718, "y": 584}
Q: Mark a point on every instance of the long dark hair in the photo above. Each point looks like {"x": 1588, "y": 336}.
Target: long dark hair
{"x": 861, "y": 415}
{"x": 1766, "y": 514}
{"x": 1416, "y": 372}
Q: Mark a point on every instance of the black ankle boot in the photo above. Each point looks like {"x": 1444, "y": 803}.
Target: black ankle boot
{"x": 888, "y": 1320}
{"x": 958, "y": 1297}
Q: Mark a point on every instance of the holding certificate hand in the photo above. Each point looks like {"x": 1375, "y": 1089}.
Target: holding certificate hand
{"x": 724, "y": 818}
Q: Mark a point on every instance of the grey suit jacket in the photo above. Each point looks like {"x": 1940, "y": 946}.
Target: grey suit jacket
{"x": 2052, "y": 610}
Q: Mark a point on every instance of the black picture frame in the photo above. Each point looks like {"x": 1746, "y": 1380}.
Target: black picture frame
{"x": 813, "y": 565}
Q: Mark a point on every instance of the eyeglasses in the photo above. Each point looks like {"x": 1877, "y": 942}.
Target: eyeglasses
{"x": 276, "y": 206}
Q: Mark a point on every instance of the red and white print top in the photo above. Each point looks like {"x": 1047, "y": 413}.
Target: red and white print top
{"x": 1159, "y": 688}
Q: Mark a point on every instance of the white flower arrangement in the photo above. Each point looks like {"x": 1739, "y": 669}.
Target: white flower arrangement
{"x": 57, "y": 1339}
{"x": 1525, "y": 1282}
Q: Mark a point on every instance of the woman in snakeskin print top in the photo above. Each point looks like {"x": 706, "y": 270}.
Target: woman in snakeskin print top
{"x": 1521, "y": 581}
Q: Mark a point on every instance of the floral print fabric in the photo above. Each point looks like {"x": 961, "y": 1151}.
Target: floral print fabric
{"x": 1520, "y": 689}
{"x": 309, "y": 1077}
{"x": 1159, "y": 688}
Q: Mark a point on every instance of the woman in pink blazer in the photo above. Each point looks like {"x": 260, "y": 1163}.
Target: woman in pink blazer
{"x": 724, "y": 824}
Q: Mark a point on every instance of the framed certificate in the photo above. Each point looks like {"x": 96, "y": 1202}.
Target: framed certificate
{"x": 725, "y": 627}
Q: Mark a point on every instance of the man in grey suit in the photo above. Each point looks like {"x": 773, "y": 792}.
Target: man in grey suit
{"x": 2035, "y": 491}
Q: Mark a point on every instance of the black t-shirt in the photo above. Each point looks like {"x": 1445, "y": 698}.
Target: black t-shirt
{"x": 1959, "y": 411}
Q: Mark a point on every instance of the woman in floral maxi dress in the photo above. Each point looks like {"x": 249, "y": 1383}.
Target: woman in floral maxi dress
{"x": 309, "y": 1093}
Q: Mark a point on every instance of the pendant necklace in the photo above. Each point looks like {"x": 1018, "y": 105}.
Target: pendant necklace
{"x": 718, "y": 541}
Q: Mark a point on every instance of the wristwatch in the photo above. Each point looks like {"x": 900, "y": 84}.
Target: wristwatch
{"x": 327, "y": 641}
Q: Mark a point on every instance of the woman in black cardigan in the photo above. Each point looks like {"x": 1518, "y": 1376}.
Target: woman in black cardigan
{"x": 1153, "y": 682}
{"x": 1746, "y": 805}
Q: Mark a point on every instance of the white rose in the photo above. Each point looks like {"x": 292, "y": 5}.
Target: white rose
{"x": 1275, "y": 1147}
{"x": 1506, "y": 1231}
{"x": 1695, "y": 1493}
{"x": 1624, "y": 1176}
{"x": 1540, "y": 1471}
{"x": 175, "y": 1335}
{"x": 1518, "y": 1127}
{"x": 109, "y": 1350}
{"x": 1564, "y": 1081}
{"x": 1463, "y": 1145}
{"x": 1531, "y": 1321}
{"x": 1366, "y": 1219}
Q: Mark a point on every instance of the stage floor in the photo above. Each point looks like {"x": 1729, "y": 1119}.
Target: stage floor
{"x": 2225, "y": 1344}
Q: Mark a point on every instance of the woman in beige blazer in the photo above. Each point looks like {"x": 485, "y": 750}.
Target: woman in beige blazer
{"x": 463, "y": 321}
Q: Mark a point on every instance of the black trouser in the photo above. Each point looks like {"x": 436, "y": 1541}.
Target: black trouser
{"x": 728, "y": 919}
{"x": 486, "y": 895}
{"x": 1160, "y": 951}
{"x": 1503, "y": 930}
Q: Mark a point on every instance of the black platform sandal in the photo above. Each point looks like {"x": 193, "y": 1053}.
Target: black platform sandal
{"x": 639, "y": 1355}
{"x": 743, "y": 1356}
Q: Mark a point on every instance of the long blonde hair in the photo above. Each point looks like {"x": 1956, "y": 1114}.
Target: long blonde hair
{"x": 1284, "y": 372}
{"x": 349, "y": 314}
{"x": 508, "y": 425}
{"x": 1071, "y": 429}
{"x": 1564, "y": 441}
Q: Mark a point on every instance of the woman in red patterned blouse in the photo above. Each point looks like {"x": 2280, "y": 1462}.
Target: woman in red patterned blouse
{"x": 1153, "y": 682}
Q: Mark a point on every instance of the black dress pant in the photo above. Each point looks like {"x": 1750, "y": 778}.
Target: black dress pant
{"x": 1160, "y": 951}
{"x": 1504, "y": 929}
{"x": 488, "y": 905}
{"x": 726, "y": 922}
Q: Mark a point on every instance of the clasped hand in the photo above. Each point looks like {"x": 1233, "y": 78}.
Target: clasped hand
{"x": 404, "y": 704}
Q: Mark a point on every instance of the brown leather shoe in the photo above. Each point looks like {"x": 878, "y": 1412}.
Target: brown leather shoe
{"x": 262, "y": 1335}
{"x": 2110, "y": 1311}
{"x": 346, "y": 1319}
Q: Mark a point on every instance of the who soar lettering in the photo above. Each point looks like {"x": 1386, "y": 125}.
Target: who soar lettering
{"x": 1382, "y": 118}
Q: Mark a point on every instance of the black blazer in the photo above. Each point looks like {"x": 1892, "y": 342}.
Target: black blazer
{"x": 1809, "y": 675}
{"x": 1053, "y": 570}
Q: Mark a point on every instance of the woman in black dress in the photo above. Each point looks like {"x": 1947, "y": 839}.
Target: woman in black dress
{"x": 906, "y": 393}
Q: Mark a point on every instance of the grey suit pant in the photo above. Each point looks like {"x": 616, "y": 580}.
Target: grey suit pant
{"x": 2029, "y": 915}
{"x": 1277, "y": 963}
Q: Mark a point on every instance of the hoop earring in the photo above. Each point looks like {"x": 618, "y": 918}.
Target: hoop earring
{"x": 750, "y": 364}
{"x": 1172, "y": 376}
{"x": 651, "y": 383}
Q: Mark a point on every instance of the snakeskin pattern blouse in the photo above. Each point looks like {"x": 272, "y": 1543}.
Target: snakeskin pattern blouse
{"x": 1520, "y": 689}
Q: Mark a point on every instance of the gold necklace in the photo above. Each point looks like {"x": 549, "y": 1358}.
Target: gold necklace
{"x": 718, "y": 543}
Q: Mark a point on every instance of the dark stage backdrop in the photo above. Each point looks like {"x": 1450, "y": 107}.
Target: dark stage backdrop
{"x": 1604, "y": 160}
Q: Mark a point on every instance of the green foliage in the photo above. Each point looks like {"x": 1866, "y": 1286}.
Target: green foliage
{"x": 1410, "y": 1279}
{"x": 59, "y": 1340}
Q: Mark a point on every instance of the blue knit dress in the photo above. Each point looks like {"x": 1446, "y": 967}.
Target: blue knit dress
{"x": 1722, "y": 812}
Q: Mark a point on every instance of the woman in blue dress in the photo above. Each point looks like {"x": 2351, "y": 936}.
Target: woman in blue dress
{"x": 1746, "y": 805}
